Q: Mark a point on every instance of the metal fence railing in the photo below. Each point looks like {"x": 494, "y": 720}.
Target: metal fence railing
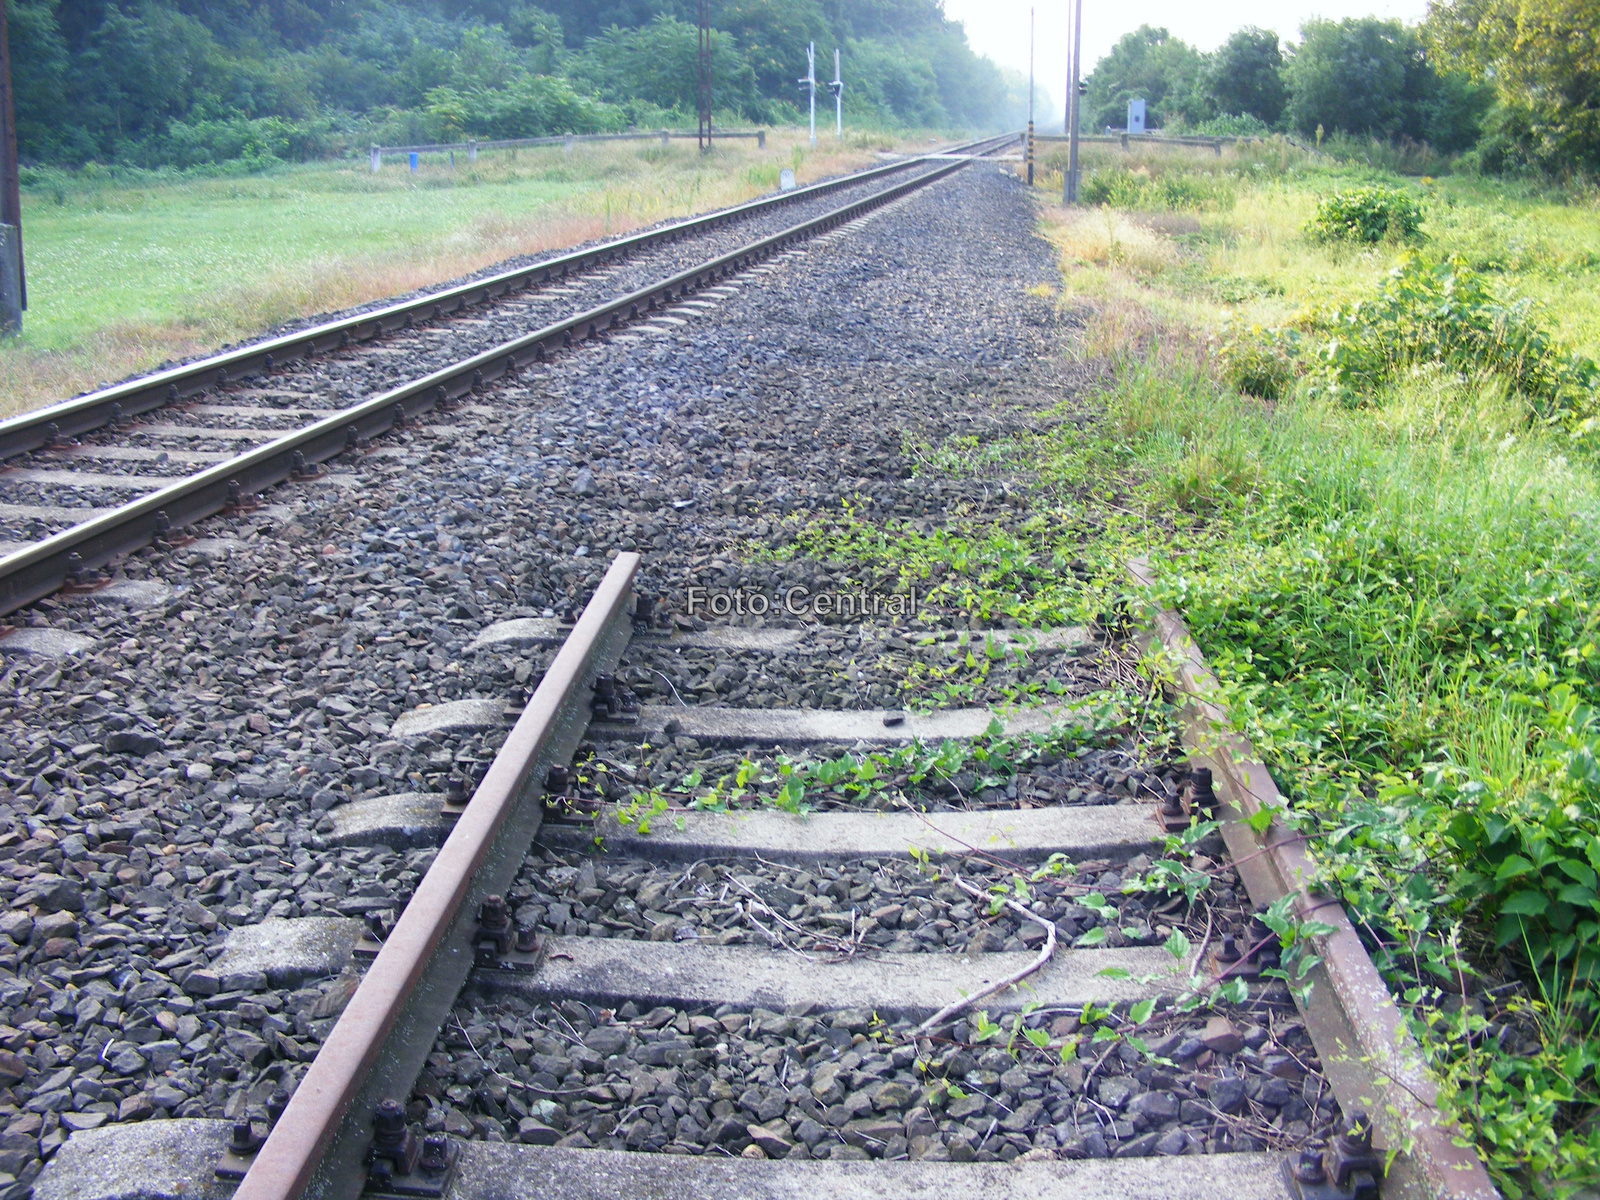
{"x": 471, "y": 146}
{"x": 1139, "y": 139}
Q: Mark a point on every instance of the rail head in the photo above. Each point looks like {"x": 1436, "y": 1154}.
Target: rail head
{"x": 40, "y": 569}
{"x": 1371, "y": 1060}
{"x": 437, "y": 921}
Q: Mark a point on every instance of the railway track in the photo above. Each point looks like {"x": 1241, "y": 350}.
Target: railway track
{"x": 466, "y": 830}
{"x": 91, "y": 479}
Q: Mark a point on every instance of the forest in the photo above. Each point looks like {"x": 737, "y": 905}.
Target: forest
{"x": 1509, "y": 85}
{"x": 192, "y": 82}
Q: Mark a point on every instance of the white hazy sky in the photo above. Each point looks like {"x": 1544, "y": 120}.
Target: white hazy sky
{"x": 999, "y": 28}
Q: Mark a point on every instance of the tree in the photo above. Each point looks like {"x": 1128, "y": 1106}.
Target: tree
{"x": 660, "y": 64}
{"x": 1148, "y": 64}
{"x": 1373, "y": 78}
{"x": 773, "y": 35}
{"x": 1245, "y": 76}
{"x": 1350, "y": 76}
{"x": 1542, "y": 60}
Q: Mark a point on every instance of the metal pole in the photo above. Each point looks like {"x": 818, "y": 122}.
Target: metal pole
{"x": 1030, "y": 97}
{"x": 810, "y": 81}
{"x": 838, "y": 95}
{"x": 1074, "y": 105}
{"x": 705, "y": 75}
{"x": 11, "y": 268}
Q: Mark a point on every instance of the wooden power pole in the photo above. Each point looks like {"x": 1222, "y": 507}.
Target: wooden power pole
{"x": 705, "y": 75}
{"x": 13, "y": 283}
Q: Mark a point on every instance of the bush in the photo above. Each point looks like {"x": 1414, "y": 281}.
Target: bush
{"x": 1445, "y": 313}
{"x": 1260, "y": 363}
{"x": 1366, "y": 214}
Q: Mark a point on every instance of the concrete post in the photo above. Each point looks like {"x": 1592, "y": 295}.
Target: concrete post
{"x": 566, "y": 144}
{"x": 377, "y": 159}
{"x": 761, "y": 139}
{"x": 1217, "y": 146}
{"x": 472, "y": 150}
{"x": 10, "y": 280}
{"x": 663, "y": 137}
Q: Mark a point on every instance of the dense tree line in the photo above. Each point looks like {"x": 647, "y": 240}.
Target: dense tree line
{"x": 186, "y": 82}
{"x": 1516, "y": 82}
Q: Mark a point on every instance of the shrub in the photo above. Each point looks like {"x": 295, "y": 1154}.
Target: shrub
{"x": 1366, "y": 214}
{"x": 1260, "y": 363}
{"x": 1445, "y": 313}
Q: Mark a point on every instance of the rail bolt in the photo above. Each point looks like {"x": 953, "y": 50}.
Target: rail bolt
{"x": 399, "y": 416}
{"x": 556, "y": 782}
{"x": 495, "y": 932}
{"x": 244, "y": 1139}
{"x": 1203, "y": 797}
{"x": 1351, "y": 1157}
{"x": 644, "y": 611}
{"x": 435, "y": 1153}
{"x": 395, "y": 1148}
{"x": 277, "y": 1103}
{"x": 1308, "y": 1167}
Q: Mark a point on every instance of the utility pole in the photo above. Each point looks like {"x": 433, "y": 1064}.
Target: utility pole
{"x": 705, "y": 76}
{"x": 13, "y": 283}
{"x": 838, "y": 96}
{"x": 1069, "y": 186}
{"x": 1030, "y": 97}
{"x": 809, "y": 83}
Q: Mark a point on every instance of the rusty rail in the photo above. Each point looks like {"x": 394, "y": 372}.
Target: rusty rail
{"x": 383, "y": 1037}
{"x": 1369, "y": 1056}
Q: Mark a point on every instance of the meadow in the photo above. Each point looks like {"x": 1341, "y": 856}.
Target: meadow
{"x": 128, "y": 270}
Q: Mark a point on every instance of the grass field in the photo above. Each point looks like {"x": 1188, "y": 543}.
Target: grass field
{"x": 125, "y": 275}
{"x": 1397, "y": 579}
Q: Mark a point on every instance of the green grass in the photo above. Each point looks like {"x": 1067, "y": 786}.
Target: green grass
{"x": 129, "y": 269}
{"x": 1400, "y": 594}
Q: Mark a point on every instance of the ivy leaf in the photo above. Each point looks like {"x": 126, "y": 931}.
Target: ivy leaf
{"x": 1140, "y": 1012}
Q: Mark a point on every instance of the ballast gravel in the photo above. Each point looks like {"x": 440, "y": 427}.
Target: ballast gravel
{"x": 846, "y": 1085}
{"x": 174, "y": 779}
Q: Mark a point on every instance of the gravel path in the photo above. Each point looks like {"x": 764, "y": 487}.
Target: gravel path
{"x": 174, "y": 779}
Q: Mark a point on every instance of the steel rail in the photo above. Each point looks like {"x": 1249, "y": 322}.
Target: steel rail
{"x": 384, "y": 1035}
{"x": 1370, "y": 1058}
{"x": 109, "y": 406}
{"x": 41, "y": 569}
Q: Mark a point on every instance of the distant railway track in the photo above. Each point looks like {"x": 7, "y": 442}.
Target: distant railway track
{"x": 499, "y": 819}
{"x": 65, "y": 506}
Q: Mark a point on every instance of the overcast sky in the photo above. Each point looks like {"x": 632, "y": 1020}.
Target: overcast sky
{"x": 999, "y": 28}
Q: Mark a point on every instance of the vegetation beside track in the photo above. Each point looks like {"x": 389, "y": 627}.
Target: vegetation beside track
{"x": 1368, "y": 474}
{"x": 137, "y": 268}
{"x": 1388, "y": 552}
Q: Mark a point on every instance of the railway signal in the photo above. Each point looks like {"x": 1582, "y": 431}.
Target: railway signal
{"x": 809, "y": 85}
{"x": 838, "y": 96}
